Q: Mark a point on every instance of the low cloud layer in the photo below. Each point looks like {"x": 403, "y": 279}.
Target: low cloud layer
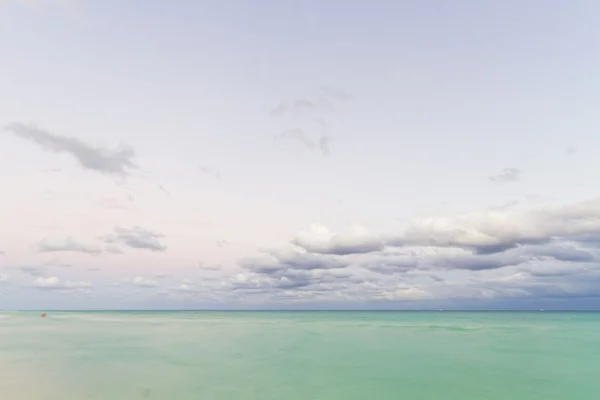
{"x": 494, "y": 254}
{"x": 119, "y": 162}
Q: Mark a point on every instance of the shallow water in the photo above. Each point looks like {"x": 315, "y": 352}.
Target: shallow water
{"x": 299, "y": 355}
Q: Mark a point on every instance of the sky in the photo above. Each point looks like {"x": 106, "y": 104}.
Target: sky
{"x": 233, "y": 154}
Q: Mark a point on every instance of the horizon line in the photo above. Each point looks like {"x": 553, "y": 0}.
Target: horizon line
{"x": 300, "y": 310}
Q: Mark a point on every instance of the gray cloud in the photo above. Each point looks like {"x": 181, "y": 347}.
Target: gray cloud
{"x": 33, "y": 270}
{"x": 210, "y": 171}
{"x": 506, "y": 175}
{"x": 273, "y": 261}
{"x": 299, "y": 135}
{"x": 295, "y": 108}
{"x": 162, "y": 189}
{"x": 310, "y": 110}
{"x": 469, "y": 257}
{"x": 136, "y": 238}
{"x": 106, "y": 161}
{"x": 324, "y": 145}
{"x": 67, "y": 244}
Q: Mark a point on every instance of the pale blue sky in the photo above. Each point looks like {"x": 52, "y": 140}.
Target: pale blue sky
{"x": 434, "y": 127}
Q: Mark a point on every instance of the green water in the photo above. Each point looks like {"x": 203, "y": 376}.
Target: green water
{"x": 299, "y": 355}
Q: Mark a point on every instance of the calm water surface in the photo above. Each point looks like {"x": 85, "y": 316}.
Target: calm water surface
{"x": 299, "y": 355}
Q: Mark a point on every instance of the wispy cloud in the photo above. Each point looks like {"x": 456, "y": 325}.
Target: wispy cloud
{"x": 33, "y": 270}
{"x": 309, "y": 110}
{"x": 119, "y": 162}
{"x": 67, "y": 244}
{"x": 299, "y": 135}
{"x": 205, "y": 169}
{"x": 507, "y": 175}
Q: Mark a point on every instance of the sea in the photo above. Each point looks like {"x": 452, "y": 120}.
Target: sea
{"x": 310, "y": 355}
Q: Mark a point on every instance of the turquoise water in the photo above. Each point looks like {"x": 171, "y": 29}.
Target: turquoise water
{"x": 299, "y": 355}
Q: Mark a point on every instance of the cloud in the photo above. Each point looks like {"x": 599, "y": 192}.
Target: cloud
{"x": 56, "y": 263}
{"x": 496, "y": 254}
{"x": 286, "y": 259}
{"x": 3, "y": 278}
{"x": 144, "y": 282}
{"x": 324, "y": 145}
{"x": 33, "y": 270}
{"x": 298, "y": 135}
{"x": 185, "y": 288}
{"x": 506, "y": 175}
{"x": 318, "y": 239}
{"x": 335, "y": 93}
{"x": 494, "y": 231}
{"x": 210, "y": 171}
{"x": 55, "y": 283}
{"x": 136, "y": 238}
{"x": 106, "y": 161}
{"x": 295, "y": 108}
{"x": 67, "y": 244}
{"x": 209, "y": 267}
{"x": 305, "y": 112}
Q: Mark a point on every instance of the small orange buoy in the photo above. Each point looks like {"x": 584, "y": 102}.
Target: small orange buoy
{"x": 43, "y": 315}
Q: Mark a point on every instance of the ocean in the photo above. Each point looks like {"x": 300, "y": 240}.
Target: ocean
{"x": 299, "y": 355}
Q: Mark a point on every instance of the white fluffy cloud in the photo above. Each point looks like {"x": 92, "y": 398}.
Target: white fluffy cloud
{"x": 495, "y": 230}
{"x": 144, "y": 282}
{"x": 493, "y": 254}
{"x": 319, "y": 239}
{"x": 55, "y": 283}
